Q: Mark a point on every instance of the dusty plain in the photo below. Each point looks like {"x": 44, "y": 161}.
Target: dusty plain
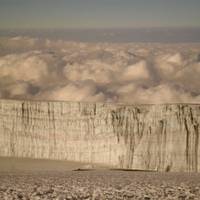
{"x": 44, "y": 179}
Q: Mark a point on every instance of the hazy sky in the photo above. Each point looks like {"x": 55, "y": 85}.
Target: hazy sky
{"x": 98, "y": 13}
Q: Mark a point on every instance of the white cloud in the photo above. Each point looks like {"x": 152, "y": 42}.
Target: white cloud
{"x": 138, "y": 71}
{"x": 133, "y": 73}
{"x": 81, "y": 91}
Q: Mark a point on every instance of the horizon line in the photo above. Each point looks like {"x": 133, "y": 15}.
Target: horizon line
{"x": 100, "y": 28}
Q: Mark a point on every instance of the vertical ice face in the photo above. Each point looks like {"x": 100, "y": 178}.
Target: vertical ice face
{"x": 147, "y": 137}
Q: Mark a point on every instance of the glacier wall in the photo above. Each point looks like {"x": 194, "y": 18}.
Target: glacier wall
{"x": 146, "y": 137}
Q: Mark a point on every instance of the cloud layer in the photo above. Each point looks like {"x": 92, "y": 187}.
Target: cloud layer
{"x": 32, "y": 68}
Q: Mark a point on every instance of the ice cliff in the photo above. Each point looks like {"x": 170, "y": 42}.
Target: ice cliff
{"x": 146, "y": 137}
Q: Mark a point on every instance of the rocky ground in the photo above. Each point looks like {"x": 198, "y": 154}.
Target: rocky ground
{"x": 98, "y": 184}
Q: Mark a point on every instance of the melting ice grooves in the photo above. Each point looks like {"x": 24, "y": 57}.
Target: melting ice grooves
{"x": 162, "y": 137}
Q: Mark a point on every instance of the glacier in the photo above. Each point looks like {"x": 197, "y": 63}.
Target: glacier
{"x": 160, "y": 137}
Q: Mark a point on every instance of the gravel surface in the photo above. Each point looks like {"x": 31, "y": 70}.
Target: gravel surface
{"x": 99, "y": 184}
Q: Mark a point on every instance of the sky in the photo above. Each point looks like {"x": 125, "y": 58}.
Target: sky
{"x": 82, "y": 14}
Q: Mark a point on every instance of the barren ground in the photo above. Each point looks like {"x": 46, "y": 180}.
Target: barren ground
{"x": 31, "y": 179}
